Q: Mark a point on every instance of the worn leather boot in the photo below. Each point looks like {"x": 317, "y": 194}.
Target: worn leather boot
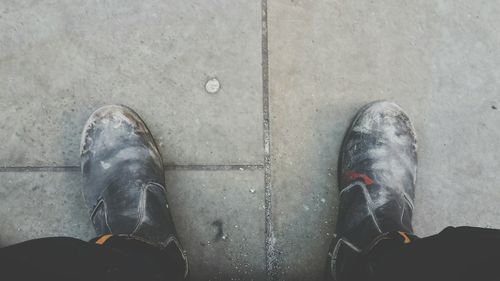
{"x": 377, "y": 174}
{"x": 124, "y": 180}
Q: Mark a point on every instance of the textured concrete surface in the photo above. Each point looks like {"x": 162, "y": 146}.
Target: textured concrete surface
{"x": 219, "y": 216}
{"x": 61, "y": 60}
{"x": 41, "y": 204}
{"x": 438, "y": 59}
{"x": 289, "y": 73}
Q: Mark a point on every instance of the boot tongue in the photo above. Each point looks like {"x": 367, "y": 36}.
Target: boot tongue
{"x": 155, "y": 224}
{"x": 358, "y": 220}
{"x": 122, "y": 203}
{"x": 138, "y": 209}
{"x": 122, "y": 197}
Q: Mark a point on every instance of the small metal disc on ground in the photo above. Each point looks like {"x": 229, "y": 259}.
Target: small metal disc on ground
{"x": 212, "y": 86}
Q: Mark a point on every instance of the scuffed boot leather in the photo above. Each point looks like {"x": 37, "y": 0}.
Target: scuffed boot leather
{"x": 123, "y": 178}
{"x": 377, "y": 174}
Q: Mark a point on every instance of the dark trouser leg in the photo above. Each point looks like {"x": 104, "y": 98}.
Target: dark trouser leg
{"x": 114, "y": 258}
{"x": 463, "y": 253}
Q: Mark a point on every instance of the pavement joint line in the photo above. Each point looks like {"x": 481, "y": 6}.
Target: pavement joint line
{"x": 271, "y": 257}
{"x": 18, "y": 169}
{"x": 248, "y": 167}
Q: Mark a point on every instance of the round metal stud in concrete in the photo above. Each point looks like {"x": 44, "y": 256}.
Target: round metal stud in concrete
{"x": 212, "y": 86}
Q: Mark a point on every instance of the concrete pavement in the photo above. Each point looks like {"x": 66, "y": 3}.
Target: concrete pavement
{"x": 249, "y": 102}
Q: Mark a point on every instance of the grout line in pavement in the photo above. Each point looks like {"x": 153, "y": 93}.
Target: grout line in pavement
{"x": 40, "y": 169}
{"x": 271, "y": 252}
{"x": 249, "y": 167}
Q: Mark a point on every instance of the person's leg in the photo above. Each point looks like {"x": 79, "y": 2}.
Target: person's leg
{"x": 462, "y": 253}
{"x": 105, "y": 258}
{"x": 124, "y": 188}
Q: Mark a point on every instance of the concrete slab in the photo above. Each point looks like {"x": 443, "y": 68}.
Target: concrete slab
{"x": 224, "y": 239}
{"x": 40, "y": 204}
{"x": 220, "y": 216}
{"x": 61, "y": 60}
{"x": 438, "y": 60}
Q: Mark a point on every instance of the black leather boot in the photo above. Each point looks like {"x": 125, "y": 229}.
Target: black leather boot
{"x": 124, "y": 179}
{"x": 377, "y": 174}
